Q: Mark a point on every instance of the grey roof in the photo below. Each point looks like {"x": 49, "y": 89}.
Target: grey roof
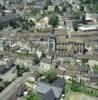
{"x": 49, "y": 95}
{"x": 46, "y": 60}
{"x": 94, "y": 75}
{"x": 59, "y": 83}
{"x": 43, "y": 88}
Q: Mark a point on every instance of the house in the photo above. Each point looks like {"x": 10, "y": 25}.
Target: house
{"x": 28, "y": 2}
{"x": 2, "y": 69}
{"x": 51, "y": 91}
{"x": 6, "y": 63}
{"x": 45, "y": 64}
{"x": 92, "y": 17}
{"x": 23, "y": 61}
{"x": 49, "y": 95}
{"x": 93, "y": 77}
{"x": 92, "y": 63}
{"x": 60, "y": 82}
{"x": 57, "y": 2}
{"x": 51, "y": 8}
{"x": 89, "y": 17}
{"x": 39, "y": 5}
{"x": 34, "y": 76}
{"x": 88, "y": 28}
{"x": 8, "y": 16}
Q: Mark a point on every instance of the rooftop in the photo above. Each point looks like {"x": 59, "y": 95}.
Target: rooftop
{"x": 44, "y": 88}
{"x": 46, "y": 60}
{"x": 88, "y": 27}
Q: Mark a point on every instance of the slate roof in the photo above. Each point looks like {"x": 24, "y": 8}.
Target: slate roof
{"x": 49, "y": 95}
{"x": 44, "y": 88}
{"x": 94, "y": 75}
{"x": 59, "y": 83}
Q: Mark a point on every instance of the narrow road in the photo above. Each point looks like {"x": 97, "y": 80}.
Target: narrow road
{"x": 11, "y": 88}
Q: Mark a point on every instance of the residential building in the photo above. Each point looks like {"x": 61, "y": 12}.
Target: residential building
{"x": 51, "y": 91}
{"x": 45, "y": 64}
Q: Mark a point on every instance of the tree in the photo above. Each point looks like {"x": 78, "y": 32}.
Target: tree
{"x": 75, "y": 26}
{"x": 64, "y": 9}
{"x": 57, "y": 10}
{"x": 25, "y": 26}
{"x": 14, "y": 11}
{"x": 0, "y": 7}
{"x": 33, "y": 96}
{"x": 50, "y": 75}
{"x": 94, "y": 9}
{"x": 3, "y": 8}
{"x": 82, "y": 8}
{"x": 19, "y": 71}
{"x": 83, "y": 19}
{"x": 54, "y": 20}
{"x": 6, "y": 47}
{"x": 14, "y": 24}
{"x": 31, "y": 23}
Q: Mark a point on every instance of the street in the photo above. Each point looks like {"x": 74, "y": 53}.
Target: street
{"x": 11, "y": 88}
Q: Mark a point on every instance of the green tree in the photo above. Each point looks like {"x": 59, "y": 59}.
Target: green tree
{"x": 51, "y": 75}
{"x": 54, "y": 20}
{"x": 94, "y": 9}
{"x": 6, "y": 47}
{"x": 64, "y": 9}
{"x": 82, "y": 8}
{"x": 19, "y": 71}
{"x": 31, "y": 23}
{"x": 3, "y": 8}
{"x": 24, "y": 26}
{"x": 33, "y": 96}
{"x": 75, "y": 25}
{"x": 57, "y": 10}
{"x": 0, "y": 7}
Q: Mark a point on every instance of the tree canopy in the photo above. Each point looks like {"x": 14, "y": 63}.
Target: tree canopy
{"x": 50, "y": 75}
{"x": 33, "y": 96}
{"x": 57, "y": 9}
{"x": 54, "y": 20}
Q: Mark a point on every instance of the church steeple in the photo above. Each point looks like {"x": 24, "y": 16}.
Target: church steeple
{"x": 52, "y": 40}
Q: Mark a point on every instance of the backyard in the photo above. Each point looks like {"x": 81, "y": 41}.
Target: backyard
{"x": 76, "y": 91}
{"x": 79, "y": 96}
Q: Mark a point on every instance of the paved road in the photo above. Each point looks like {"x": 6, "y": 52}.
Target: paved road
{"x": 9, "y": 75}
{"x": 11, "y": 88}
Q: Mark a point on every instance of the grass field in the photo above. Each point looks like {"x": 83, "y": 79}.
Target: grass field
{"x": 79, "y": 96}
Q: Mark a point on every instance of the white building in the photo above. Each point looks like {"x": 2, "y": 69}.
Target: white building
{"x": 45, "y": 64}
{"x": 87, "y": 28}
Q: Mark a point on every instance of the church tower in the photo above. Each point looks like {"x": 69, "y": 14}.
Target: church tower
{"x": 52, "y": 41}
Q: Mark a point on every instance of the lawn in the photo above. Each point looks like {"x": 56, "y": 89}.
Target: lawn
{"x": 77, "y": 87}
{"x": 79, "y": 96}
